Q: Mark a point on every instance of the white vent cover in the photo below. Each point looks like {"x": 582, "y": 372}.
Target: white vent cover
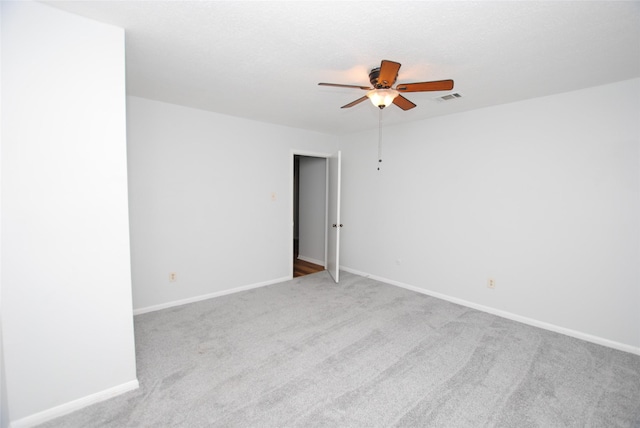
{"x": 449, "y": 97}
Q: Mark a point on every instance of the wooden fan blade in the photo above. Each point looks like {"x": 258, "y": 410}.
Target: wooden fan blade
{"x": 388, "y": 73}
{"x": 437, "y": 85}
{"x": 403, "y": 103}
{"x": 366, "y": 88}
{"x": 353, "y": 103}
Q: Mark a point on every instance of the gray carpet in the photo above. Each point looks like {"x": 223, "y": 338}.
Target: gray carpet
{"x": 310, "y": 353}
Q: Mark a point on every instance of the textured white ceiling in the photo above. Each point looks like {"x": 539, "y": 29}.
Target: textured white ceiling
{"x": 262, "y": 60}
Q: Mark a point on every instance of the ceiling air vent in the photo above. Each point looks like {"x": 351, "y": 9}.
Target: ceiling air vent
{"x": 449, "y": 97}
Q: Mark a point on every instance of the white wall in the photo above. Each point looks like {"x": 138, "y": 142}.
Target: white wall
{"x": 66, "y": 286}
{"x": 313, "y": 197}
{"x": 200, "y": 188}
{"x": 4, "y": 405}
{"x": 541, "y": 195}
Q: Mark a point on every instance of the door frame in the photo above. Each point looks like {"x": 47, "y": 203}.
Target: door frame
{"x": 321, "y": 155}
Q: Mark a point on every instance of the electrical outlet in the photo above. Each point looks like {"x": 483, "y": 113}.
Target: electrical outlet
{"x": 491, "y": 283}
{"x": 173, "y": 277}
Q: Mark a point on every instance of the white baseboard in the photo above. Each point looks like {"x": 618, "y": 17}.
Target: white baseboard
{"x": 72, "y": 406}
{"x": 504, "y": 314}
{"x": 181, "y": 302}
{"x": 311, "y": 260}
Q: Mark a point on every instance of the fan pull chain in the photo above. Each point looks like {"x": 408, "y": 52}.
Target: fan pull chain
{"x": 379, "y": 139}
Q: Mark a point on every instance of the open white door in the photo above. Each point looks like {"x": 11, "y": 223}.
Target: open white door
{"x": 333, "y": 217}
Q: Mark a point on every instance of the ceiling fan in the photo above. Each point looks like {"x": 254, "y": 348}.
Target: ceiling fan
{"x": 382, "y": 94}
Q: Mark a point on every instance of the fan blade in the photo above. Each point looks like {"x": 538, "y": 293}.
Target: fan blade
{"x": 438, "y": 85}
{"x": 403, "y": 103}
{"x": 353, "y": 103}
{"x": 388, "y": 73}
{"x": 366, "y": 88}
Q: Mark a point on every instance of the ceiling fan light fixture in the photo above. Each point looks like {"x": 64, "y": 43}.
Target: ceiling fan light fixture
{"x": 382, "y": 98}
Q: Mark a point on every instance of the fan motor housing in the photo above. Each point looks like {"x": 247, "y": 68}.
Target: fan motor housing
{"x": 373, "y": 78}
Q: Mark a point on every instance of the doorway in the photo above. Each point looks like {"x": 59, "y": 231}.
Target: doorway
{"x": 309, "y": 214}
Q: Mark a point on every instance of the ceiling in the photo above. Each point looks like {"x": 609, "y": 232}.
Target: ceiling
{"x": 263, "y": 60}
